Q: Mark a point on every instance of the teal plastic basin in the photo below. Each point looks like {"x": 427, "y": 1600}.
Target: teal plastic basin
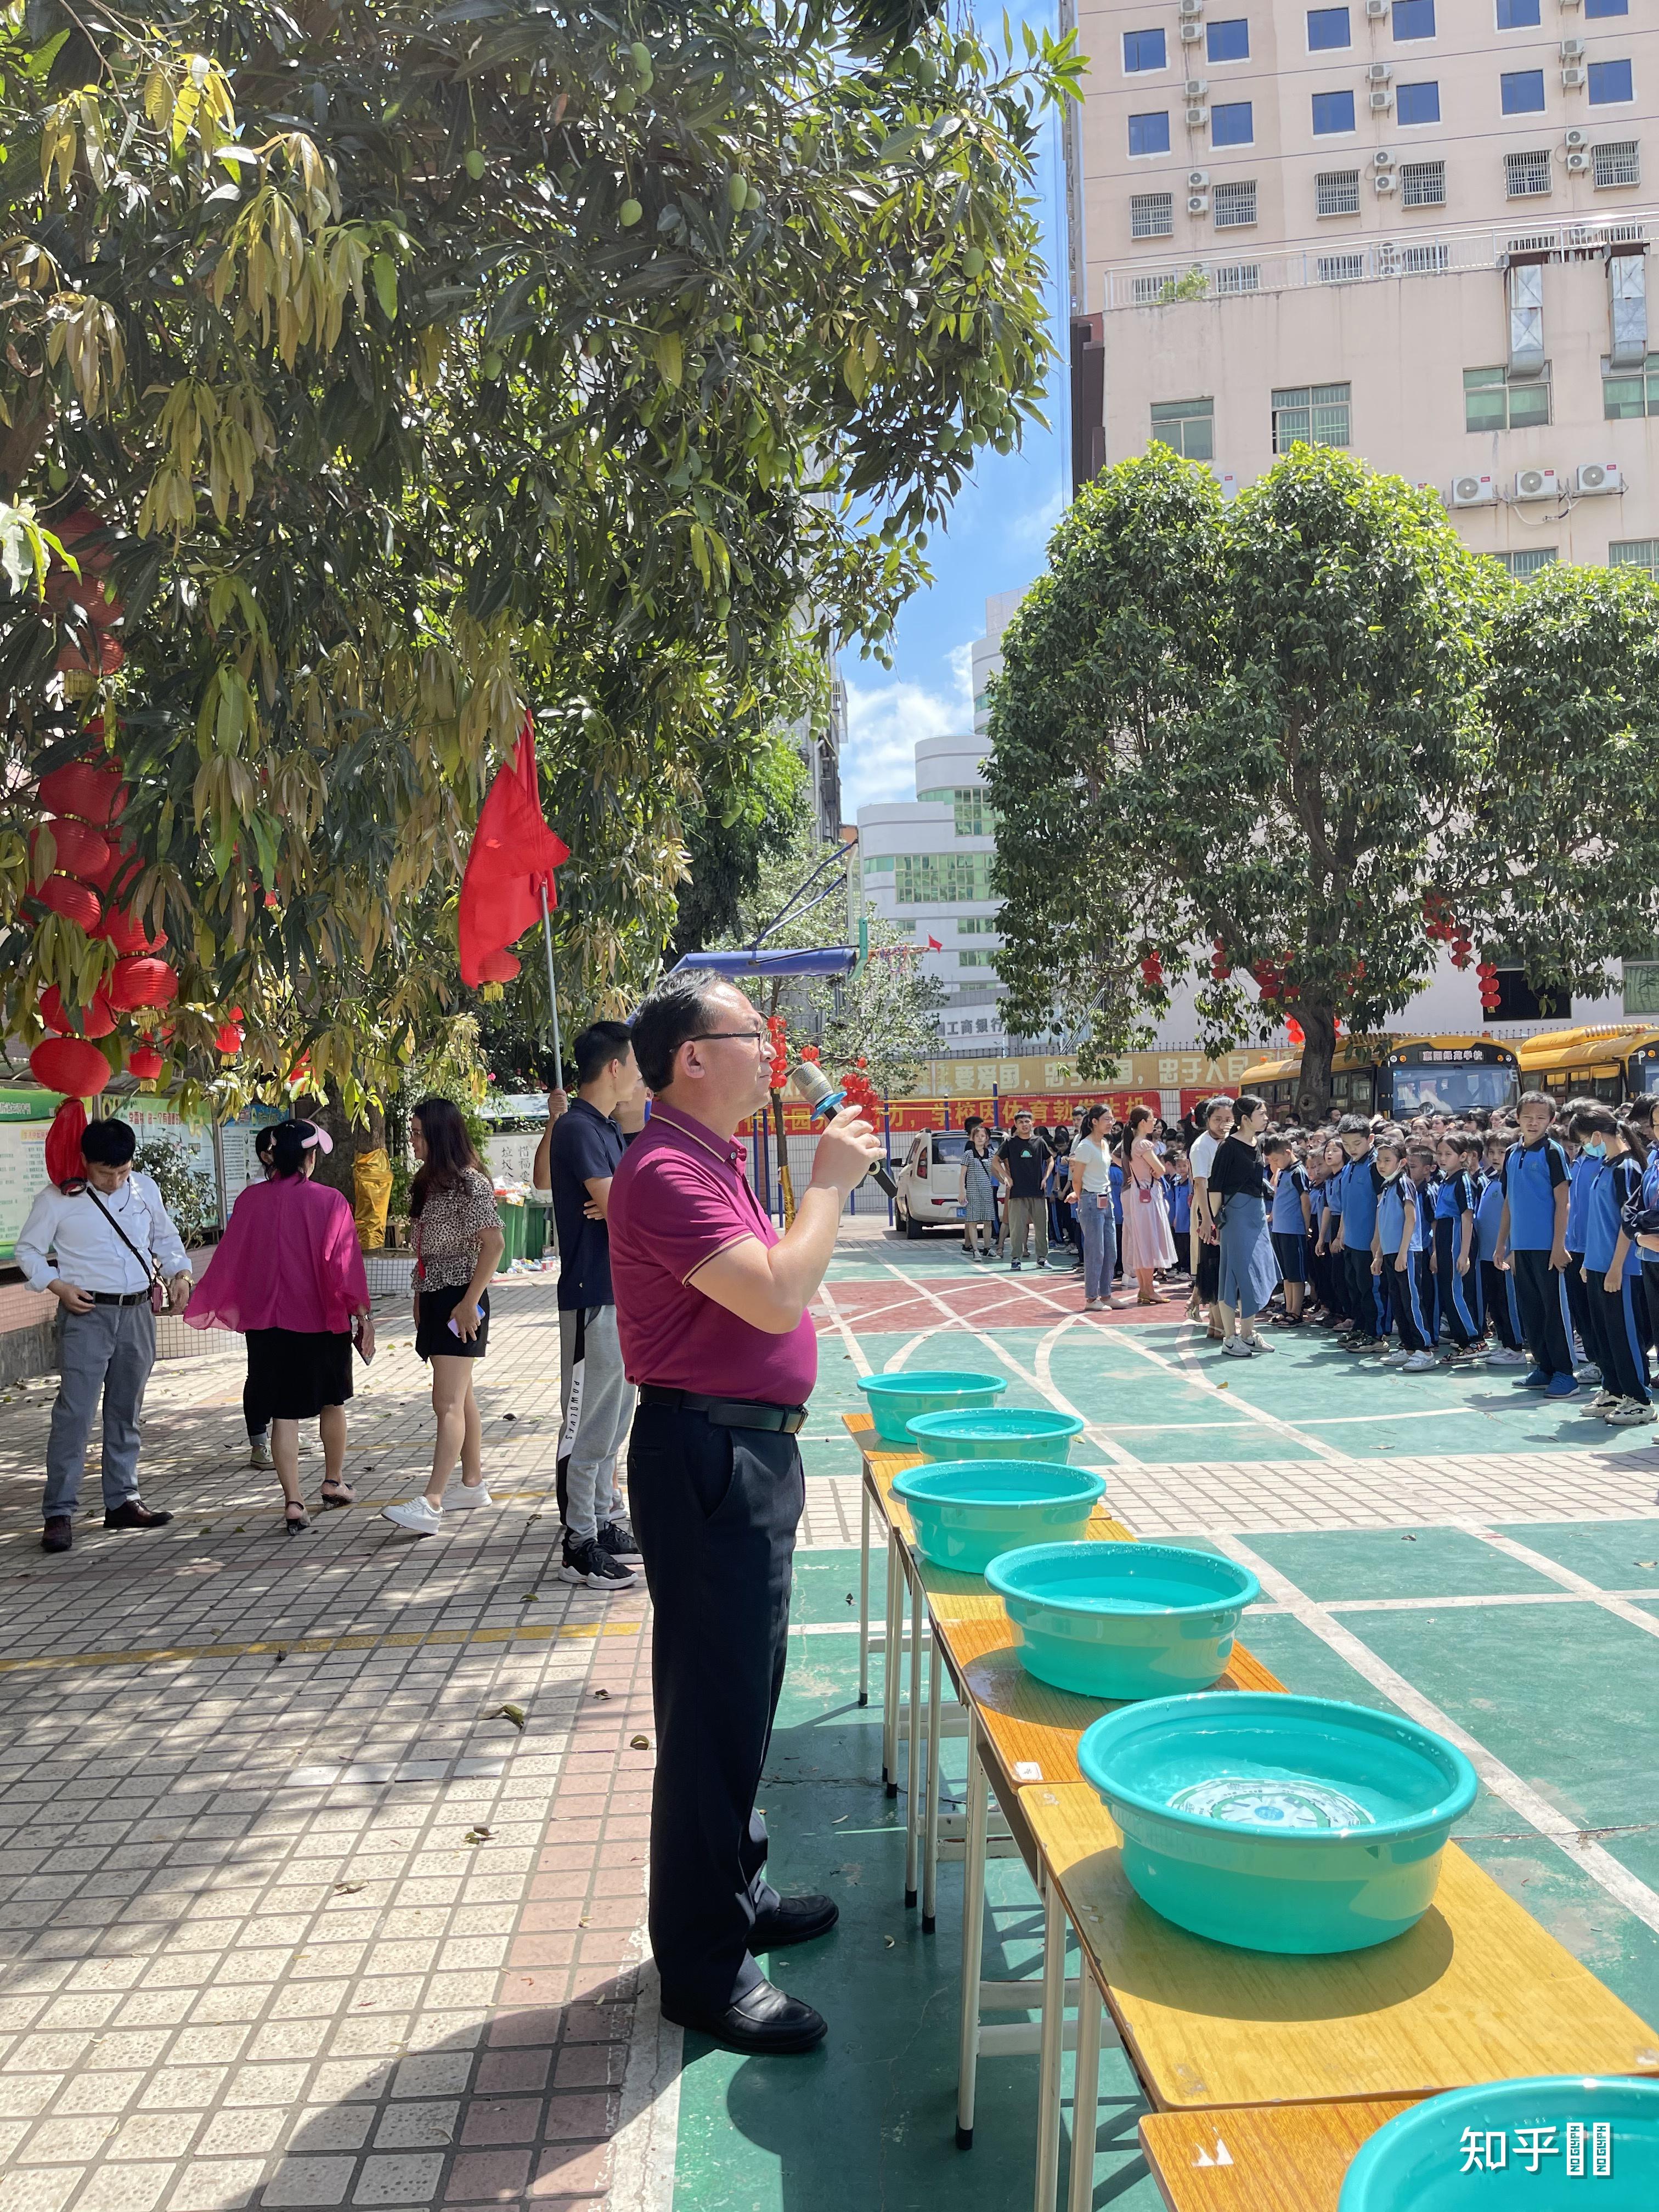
{"x": 997, "y": 1432}
{"x": 966, "y": 1511}
{"x": 1122, "y": 1621}
{"x": 1276, "y": 1823}
{"x": 1420, "y": 2161}
{"x": 894, "y": 1397}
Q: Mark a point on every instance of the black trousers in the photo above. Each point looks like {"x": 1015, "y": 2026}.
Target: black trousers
{"x": 1578, "y": 1298}
{"x": 716, "y": 1511}
{"x": 1543, "y": 1326}
{"x": 1614, "y": 1342}
{"x": 1502, "y": 1309}
{"x": 1367, "y": 1306}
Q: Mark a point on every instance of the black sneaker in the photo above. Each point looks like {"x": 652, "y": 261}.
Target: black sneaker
{"x": 590, "y": 1565}
{"x": 618, "y": 1540}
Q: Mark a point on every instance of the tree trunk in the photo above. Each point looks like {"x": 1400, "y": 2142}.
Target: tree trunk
{"x": 1318, "y": 1050}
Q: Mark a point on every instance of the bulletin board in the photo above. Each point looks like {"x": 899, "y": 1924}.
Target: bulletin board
{"x": 25, "y": 1116}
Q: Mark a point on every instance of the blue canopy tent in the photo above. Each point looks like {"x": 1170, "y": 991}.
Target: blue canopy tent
{"x": 820, "y": 960}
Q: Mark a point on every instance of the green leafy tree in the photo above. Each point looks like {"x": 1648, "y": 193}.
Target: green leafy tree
{"x": 416, "y": 366}
{"x": 1257, "y": 733}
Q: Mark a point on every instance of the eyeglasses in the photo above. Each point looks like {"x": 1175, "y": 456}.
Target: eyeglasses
{"x": 745, "y": 1037}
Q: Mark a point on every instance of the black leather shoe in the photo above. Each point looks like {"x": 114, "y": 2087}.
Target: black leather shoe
{"x": 58, "y": 1534}
{"x": 765, "y": 2023}
{"x": 135, "y": 1514}
{"x": 794, "y": 1920}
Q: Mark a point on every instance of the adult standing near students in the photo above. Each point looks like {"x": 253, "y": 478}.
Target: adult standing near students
{"x": 256, "y": 1417}
{"x": 1025, "y": 1163}
{"x": 1147, "y": 1243}
{"x": 711, "y": 1307}
{"x": 1090, "y": 1165}
{"x": 113, "y": 1240}
{"x": 596, "y": 1399}
{"x": 1218, "y": 1119}
{"x": 979, "y": 1192}
{"x": 288, "y": 1275}
{"x": 458, "y": 1242}
{"x": 1236, "y": 1197}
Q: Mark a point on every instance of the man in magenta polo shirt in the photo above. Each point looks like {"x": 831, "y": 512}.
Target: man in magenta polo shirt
{"x": 711, "y": 1311}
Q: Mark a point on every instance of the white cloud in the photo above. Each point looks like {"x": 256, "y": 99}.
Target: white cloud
{"x": 886, "y": 720}
{"x": 1035, "y": 527}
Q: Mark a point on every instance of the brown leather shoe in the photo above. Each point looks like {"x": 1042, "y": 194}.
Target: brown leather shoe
{"x": 135, "y": 1514}
{"x": 58, "y": 1534}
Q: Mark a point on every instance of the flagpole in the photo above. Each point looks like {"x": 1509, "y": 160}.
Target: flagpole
{"x": 552, "y": 991}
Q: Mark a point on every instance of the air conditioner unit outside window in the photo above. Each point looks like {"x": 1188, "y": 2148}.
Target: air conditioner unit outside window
{"x": 1376, "y": 7}
{"x": 1572, "y": 50}
{"x": 1572, "y": 79}
{"x": 1473, "y": 491}
{"x": 1381, "y": 99}
{"x": 1387, "y": 183}
{"x": 1578, "y": 160}
{"x": 1191, "y": 33}
{"x": 1576, "y": 137}
{"x": 1198, "y": 202}
{"x": 1537, "y": 483}
{"x": 1379, "y": 72}
{"x": 1597, "y": 479}
{"x": 1198, "y": 181}
{"x": 1382, "y": 158}
{"x": 1196, "y": 88}
{"x": 1196, "y": 117}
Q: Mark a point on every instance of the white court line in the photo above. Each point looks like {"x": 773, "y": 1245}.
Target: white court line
{"x": 1057, "y": 1399}
{"x": 1580, "y": 1585}
{"x": 854, "y": 1350}
{"x": 1591, "y": 1858}
{"x": 1417, "y": 1414}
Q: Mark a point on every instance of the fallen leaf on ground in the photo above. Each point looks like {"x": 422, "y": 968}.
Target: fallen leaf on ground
{"x": 348, "y": 1889}
{"x": 888, "y": 1941}
{"x": 514, "y": 1713}
{"x": 639, "y": 1743}
{"x": 531, "y": 1597}
{"x": 476, "y": 1835}
{"x": 602, "y": 1693}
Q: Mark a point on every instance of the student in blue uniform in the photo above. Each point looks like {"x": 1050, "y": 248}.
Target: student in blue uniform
{"x": 1361, "y": 1184}
{"x": 1394, "y": 1251}
{"x": 1319, "y": 1274}
{"x": 1178, "y": 1188}
{"x": 1497, "y": 1290}
{"x": 1457, "y": 1271}
{"x": 1532, "y": 1244}
{"x": 1421, "y": 1167}
{"x": 1612, "y": 1262}
{"x": 1115, "y": 1176}
{"x": 1336, "y": 1178}
{"x": 1580, "y": 1174}
{"x": 1287, "y": 1220}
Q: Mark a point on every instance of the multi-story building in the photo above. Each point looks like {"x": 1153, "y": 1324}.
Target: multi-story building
{"x": 1414, "y": 229}
{"x": 819, "y": 742}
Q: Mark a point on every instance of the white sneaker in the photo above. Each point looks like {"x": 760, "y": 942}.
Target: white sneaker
{"x": 1236, "y": 1347}
{"x": 1501, "y": 1356}
{"x": 421, "y": 1518}
{"x": 1587, "y": 1371}
{"x": 1260, "y": 1343}
{"x": 459, "y": 1493}
{"x": 1629, "y": 1414}
{"x": 1601, "y": 1405}
{"x": 1396, "y": 1358}
{"x": 1419, "y": 1364}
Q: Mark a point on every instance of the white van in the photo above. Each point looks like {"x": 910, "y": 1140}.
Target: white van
{"x": 930, "y": 1183}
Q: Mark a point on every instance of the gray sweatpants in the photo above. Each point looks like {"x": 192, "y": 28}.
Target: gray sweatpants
{"x": 1025, "y": 1214}
{"x": 594, "y": 1436}
{"x": 109, "y": 1351}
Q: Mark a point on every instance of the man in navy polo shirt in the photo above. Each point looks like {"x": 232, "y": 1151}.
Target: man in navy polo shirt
{"x": 1532, "y": 1244}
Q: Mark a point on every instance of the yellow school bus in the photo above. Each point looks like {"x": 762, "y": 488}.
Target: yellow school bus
{"x": 1617, "y": 1062}
{"x": 1400, "y": 1076}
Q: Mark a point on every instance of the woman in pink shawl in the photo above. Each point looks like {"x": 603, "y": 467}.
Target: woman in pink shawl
{"x": 288, "y": 1275}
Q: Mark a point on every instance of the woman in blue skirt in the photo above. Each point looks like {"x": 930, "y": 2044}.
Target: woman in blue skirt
{"x": 1236, "y": 1195}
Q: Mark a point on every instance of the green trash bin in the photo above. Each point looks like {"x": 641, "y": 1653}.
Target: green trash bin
{"x": 512, "y": 1219}
{"x": 535, "y": 1227}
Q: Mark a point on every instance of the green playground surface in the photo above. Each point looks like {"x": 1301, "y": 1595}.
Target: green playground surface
{"x": 1537, "y": 1638}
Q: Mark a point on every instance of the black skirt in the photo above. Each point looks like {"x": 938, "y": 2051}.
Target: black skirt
{"x": 294, "y": 1374}
{"x": 433, "y": 1337}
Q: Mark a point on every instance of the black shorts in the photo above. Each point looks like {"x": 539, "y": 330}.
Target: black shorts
{"x": 293, "y": 1374}
{"x": 433, "y": 1337}
{"x": 1291, "y": 1253}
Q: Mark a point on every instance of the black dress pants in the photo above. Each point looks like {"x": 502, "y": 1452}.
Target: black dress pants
{"x": 1539, "y": 1295}
{"x": 715, "y": 1511}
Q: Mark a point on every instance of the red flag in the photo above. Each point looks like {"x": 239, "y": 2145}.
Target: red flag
{"x": 934, "y": 945}
{"x": 514, "y": 856}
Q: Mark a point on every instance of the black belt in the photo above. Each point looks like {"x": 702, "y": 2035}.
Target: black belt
{"x": 121, "y": 1297}
{"x": 728, "y": 1412}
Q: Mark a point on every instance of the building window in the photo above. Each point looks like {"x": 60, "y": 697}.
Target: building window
{"x": 1635, "y": 392}
{"x": 1233, "y": 204}
{"x": 1634, "y": 553}
{"x": 1187, "y": 426}
{"x": 1413, "y": 19}
{"x": 1311, "y": 414}
{"x": 1152, "y": 214}
{"x": 1152, "y": 291}
{"x": 1327, "y": 28}
{"x": 1522, "y": 92}
{"x": 1619, "y": 164}
{"x": 1525, "y": 175}
{"x": 1609, "y": 83}
{"x": 1518, "y": 15}
{"x": 1642, "y": 988}
{"x": 976, "y": 959}
{"x": 1606, "y": 7}
{"x": 976, "y": 924}
{"x": 1417, "y": 103}
{"x": 1337, "y": 192}
{"x": 1142, "y": 50}
{"x": 942, "y": 879}
{"x": 1232, "y": 277}
{"x": 1423, "y": 184}
{"x": 1341, "y": 268}
{"x": 1493, "y": 399}
{"x": 1332, "y": 113}
{"x": 1516, "y": 999}
{"x": 1421, "y": 260}
{"x": 1232, "y": 122}
{"x": 1150, "y": 134}
{"x": 1228, "y": 42}
{"x": 877, "y": 864}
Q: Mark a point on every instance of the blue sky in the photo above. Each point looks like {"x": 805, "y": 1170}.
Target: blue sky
{"x": 996, "y": 542}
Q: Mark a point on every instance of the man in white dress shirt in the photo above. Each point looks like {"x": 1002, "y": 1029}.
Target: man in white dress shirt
{"x": 111, "y": 1234}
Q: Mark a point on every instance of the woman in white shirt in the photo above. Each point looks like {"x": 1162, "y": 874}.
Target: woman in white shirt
{"x": 1091, "y": 1194}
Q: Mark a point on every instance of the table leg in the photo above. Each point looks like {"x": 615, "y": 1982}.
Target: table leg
{"x": 973, "y": 1938}
{"x": 930, "y": 1838}
{"x": 1085, "y": 2095}
{"x": 913, "y": 1744}
{"x": 864, "y": 1592}
{"x": 1052, "y": 2045}
{"x": 892, "y": 1659}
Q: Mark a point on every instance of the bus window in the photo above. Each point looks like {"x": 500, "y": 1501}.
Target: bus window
{"x": 1451, "y": 1089}
{"x": 1609, "y": 1088}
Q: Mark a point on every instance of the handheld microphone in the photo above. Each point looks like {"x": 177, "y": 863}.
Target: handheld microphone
{"x": 823, "y": 1100}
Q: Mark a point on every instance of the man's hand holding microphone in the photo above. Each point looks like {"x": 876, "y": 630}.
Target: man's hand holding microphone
{"x": 846, "y": 1151}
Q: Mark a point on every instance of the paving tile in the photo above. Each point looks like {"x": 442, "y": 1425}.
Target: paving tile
{"x": 407, "y": 2179}
{"x": 302, "y": 2181}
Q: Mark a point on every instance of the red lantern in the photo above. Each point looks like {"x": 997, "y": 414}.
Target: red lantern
{"x": 71, "y": 1065}
{"x": 494, "y": 967}
{"x": 228, "y": 1039}
{"x": 80, "y": 851}
{"x": 123, "y": 929}
{"x": 142, "y": 983}
{"x": 96, "y": 1020}
{"x": 1293, "y": 1030}
{"x": 119, "y": 871}
{"x": 144, "y": 1062}
{"x": 76, "y": 901}
{"x": 94, "y": 794}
